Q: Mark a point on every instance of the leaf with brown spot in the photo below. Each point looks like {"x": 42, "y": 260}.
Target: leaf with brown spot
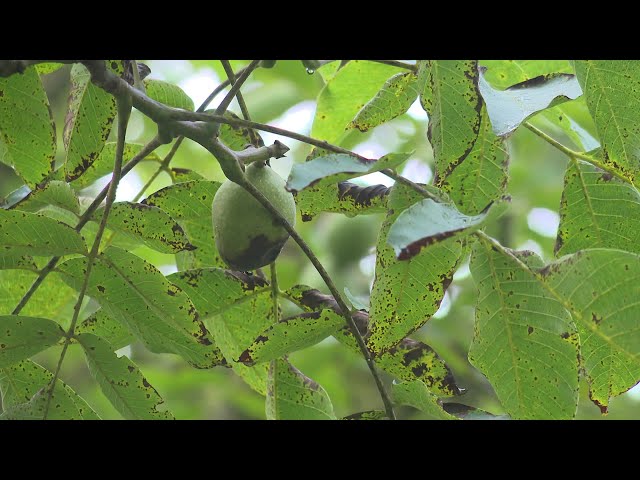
{"x": 89, "y": 119}
{"x": 236, "y": 308}
{"x": 291, "y": 395}
{"x": 189, "y": 203}
{"x": 147, "y": 224}
{"x": 107, "y": 328}
{"x": 27, "y": 131}
{"x": 237, "y": 138}
{"x": 136, "y": 295}
{"x": 56, "y": 193}
{"x": 505, "y": 73}
{"x": 452, "y": 99}
{"x": 417, "y": 395}
{"x": 10, "y": 261}
{"x": 21, "y": 337}
{"x": 368, "y": 415}
{"x": 121, "y": 381}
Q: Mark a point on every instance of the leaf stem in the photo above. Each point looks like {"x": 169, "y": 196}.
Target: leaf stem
{"x": 124, "y": 112}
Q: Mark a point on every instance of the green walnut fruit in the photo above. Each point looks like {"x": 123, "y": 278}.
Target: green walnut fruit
{"x": 247, "y": 235}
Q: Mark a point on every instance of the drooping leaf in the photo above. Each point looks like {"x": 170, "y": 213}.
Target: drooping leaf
{"x": 167, "y": 93}
{"x": 89, "y": 119}
{"x": 394, "y": 98}
{"x": 53, "y": 299}
{"x": 135, "y": 293}
{"x": 290, "y": 335}
{"x": 291, "y": 395}
{"x": 597, "y": 210}
{"x": 509, "y": 108}
{"x": 343, "y": 197}
{"x": 147, "y": 224}
{"x": 105, "y": 327}
{"x": 22, "y": 337}
{"x": 416, "y": 394}
{"x": 345, "y": 94}
{"x": 406, "y": 293}
{"x": 505, "y": 73}
{"x": 601, "y": 287}
{"x": 482, "y": 177}
{"x": 189, "y": 203}
{"x": 611, "y": 90}
{"x": 26, "y": 126}
{"x": 368, "y": 415}
{"x": 121, "y": 381}
{"x": 335, "y": 167}
{"x": 57, "y": 193}
{"x": 25, "y": 233}
{"x": 452, "y": 100}
{"x": 427, "y": 222}
{"x": 236, "y": 308}
{"x": 524, "y": 341}
{"x": 105, "y": 161}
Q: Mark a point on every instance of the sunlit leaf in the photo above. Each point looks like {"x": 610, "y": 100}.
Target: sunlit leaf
{"x": 167, "y": 93}
{"x": 57, "y": 193}
{"x": 26, "y": 126}
{"x": 105, "y": 327}
{"x": 416, "y": 394}
{"x": 505, "y": 73}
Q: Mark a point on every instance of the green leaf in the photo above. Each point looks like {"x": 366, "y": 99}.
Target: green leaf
{"x": 25, "y": 233}
{"x": 10, "y": 261}
{"x": 63, "y": 407}
{"x": 53, "y": 299}
{"x": 611, "y": 90}
{"x": 368, "y": 415}
{"x": 49, "y": 67}
{"x": 428, "y": 223}
{"x": 236, "y": 308}
{"x": 291, "y": 395}
{"x": 88, "y": 121}
{"x": 452, "y": 100}
{"x": 189, "y": 203}
{"x": 290, "y": 335}
{"x": 179, "y": 175}
{"x": 505, "y": 73}
{"x": 417, "y": 395}
{"x": 57, "y": 193}
{"x": 601, "y": 288}
{"x": 524, "y": 341}
{"x": 509, "y": 108}
{"x": 237, "y": 138}
{"x": 21, "y": 381}
{"x": 168, "y": 93}
{"x": 573, "y": 119}
{"x": 105, "y": 161}
{"x": 105, "y": 327}
{"x": 135, "y": 293}
{"x": 394, "y": 98}
{"x": 26, "y": 126}
{"x": 343, "y": 197}
{"x": 22, "y": 337}
{"x": 482, "y": 177}
{"x": 406, "y": 294}
{"x": 597, "y": 210}
{"x": 121, "y": 381}
{"x": 335, "y": 167}
{"x": 150, "y": 225}
{"x": 345, "y": 94}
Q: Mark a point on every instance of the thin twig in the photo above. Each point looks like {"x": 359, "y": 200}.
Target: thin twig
{"x": 255, "y": 140}
{"x": 573, "y": 154}
{"x": 386, "y": 400}
{"x": 84, "y": 219}
{"x": 124, "y": 112}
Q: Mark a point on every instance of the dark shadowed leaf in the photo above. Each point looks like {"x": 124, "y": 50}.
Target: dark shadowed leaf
{"x": 291, "y": 395}
{"x": 121, "y": 381}
{"x": 524, "y": 341}
{"x": 22, "y": 337}
{"x": 89, "y": 119}
{"x": 368, "y": 415}
{"x": 509, "y": 108}
{"x": 135, "y": 293}
{"x": 149, "y": 225}
{"x": 26, "y": 126}
{"x": 32, "y": 234}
